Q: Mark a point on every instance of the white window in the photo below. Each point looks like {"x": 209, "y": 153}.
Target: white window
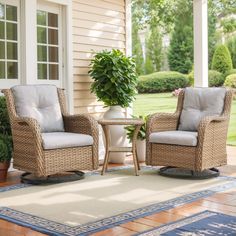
{"x": 9, "y": 42}
{"x": 49, "y": 43}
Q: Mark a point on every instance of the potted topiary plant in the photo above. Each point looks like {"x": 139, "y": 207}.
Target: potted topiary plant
{"x": 5, "y": 140}
{"x": 115, "y": 82}
{"x": 141, "y": 138}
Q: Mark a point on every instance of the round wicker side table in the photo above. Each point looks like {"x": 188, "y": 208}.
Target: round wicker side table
{"x": 126, "y": 121}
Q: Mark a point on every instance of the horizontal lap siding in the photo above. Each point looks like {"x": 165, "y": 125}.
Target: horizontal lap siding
{"x": 97, "y": 25}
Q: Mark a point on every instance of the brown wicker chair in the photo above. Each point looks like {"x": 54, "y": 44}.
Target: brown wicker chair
{"x": 210, "y": 150}
{"x": 29, "y": 154}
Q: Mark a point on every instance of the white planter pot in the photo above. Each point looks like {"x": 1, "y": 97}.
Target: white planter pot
{"x": 117, "y": 134}
{"x": 141, "y": 150}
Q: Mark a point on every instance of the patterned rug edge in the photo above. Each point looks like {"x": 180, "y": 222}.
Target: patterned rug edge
{"x": 179, "y": 223}
{"x": 56, "y": 229}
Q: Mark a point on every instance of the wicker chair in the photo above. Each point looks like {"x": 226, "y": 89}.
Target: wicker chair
{"x": 29, "y": 153}
{"x": 208, "y": 152}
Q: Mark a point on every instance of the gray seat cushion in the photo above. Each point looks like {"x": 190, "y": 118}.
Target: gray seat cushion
{"x": 41, "y": 103}
{"x": 198, "y": 103}
{"x": 56, "y": 140}
{"x": 176, "y": 137}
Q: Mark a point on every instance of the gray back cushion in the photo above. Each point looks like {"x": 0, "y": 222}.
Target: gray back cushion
{"x": 41, "y": 103}
{"x": 198, "y": 103}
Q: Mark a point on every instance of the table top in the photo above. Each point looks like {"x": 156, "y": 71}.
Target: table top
{"x": 121, "y": 121}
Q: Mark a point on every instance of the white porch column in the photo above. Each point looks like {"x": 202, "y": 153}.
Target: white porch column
{"x": 200, "y": 11}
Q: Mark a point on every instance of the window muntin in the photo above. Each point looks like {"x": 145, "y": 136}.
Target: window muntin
{"x": 9, "y": 62}
{"x": 47, "y": 45}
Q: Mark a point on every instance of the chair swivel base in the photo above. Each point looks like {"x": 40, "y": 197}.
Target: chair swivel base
{"x": 69, "y": 176}
{"x": 182, "y": 173}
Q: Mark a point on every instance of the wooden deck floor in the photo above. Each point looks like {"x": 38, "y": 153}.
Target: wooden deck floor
{"x": 224, "y": 202}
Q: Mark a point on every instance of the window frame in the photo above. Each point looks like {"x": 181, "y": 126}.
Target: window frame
{"x": 5, "y": 83}
{"x": 52, "y": 8}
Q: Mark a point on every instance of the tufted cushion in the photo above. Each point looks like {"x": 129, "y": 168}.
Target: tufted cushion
{"x": 176, "y": 137}
{"x": 198, "y": 103}
{"x": 41, "y": 103}
{"x": 57, "y": 140}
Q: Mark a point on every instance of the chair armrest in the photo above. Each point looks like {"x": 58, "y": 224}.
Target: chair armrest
{"x": 207, "y": 120}
{"x": 30, "y": 124}
{"x": 162, "y": 122}
{"x": 84, "y": 124}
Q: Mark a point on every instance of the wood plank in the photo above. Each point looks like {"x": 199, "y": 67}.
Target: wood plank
{"x": 98, "y": 42}
{"x": 116, "y": 231}
{"x": 80, "y": 70}
{"x": 164, "y": 217}
{"x": 83, "y": 94}
{"x": 102, "y": 4}
{"x": 82, "y": 63}
{"x": 82, "y": 86}
{"x": 82, "y": 79}
{"x": 87, "y": 102}
{"x": 80, "y": 15}
{"x": 78, "y": 7}
{"x": 97, "y": 34}
{"x": 98, "y": 26}
{"x": 83, "y": 55}
{"x": 135, "y": 226}
{"x": 89, "y": 48}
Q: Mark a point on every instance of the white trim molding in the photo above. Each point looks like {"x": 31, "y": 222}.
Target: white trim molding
{"x": 200, "y": 11}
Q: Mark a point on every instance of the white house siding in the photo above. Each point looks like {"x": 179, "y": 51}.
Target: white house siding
{"x": 97, "y": 25}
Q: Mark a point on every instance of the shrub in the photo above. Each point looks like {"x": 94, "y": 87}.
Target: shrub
{"x": 215, "y": 78}
{"x": 222, "y": 61}
{"x": 162, "y": 82}
{"x": 115, "y": 78}
{"x": 5, "y": 132}
{"x": 230, "y": 72}
{"x": 230, "y": 81}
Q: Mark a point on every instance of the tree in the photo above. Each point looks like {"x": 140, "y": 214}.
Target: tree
{"x": 222, "y": 61}
{"x": 154, "y": 48}
{"x": 232, "y": 49}
{"x": 180, "y": 54}
{"x": 137, "y": 49}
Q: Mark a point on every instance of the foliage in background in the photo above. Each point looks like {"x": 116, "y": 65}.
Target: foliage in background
{"x": 137, "y": 48}
{"x": 230, "y": 72}
{"x": 180, "y": 54}
{"x": 162, "y": 82}
{"x": 230, "y": 81}
{"x": 231, "y": 44}
{"x": 115, "y": 78}
{"x": 154, "y": 50}
{"x": 222, "y": 61}
{"x": 131, "y": 128}
{"x": 5, "y": 132}
{"x": 215, "y": 78}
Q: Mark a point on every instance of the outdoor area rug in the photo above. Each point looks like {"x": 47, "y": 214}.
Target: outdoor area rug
{"x": 100, "y": 202}
{"x": 206, "y": 223}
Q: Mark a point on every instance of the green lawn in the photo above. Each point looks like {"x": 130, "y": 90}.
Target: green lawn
{"x": 164, "y": 102}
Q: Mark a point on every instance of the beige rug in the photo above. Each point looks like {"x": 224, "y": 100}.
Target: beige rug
{"x": 97, "y": 197}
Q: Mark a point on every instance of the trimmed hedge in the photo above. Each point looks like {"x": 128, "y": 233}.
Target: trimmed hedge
{"x": 162, "y": 82}
{"x": 215, "y": 78}
{"x": 230, "y": 72}
{"x": 230, "y": 81}
{"x": 222, "y": 60}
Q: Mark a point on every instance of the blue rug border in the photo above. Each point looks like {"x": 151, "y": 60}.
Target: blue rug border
{"x": 180, "y": 220}
{"x": 72, "y": 229}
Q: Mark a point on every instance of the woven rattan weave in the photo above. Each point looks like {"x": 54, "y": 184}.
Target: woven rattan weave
{"x": 29, "y": 155}
{"x": 211, "y": 148}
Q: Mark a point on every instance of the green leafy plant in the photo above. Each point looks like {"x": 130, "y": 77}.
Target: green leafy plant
{"x": 230, "y": 81}
{"x": 131, "y": 128}
{"x": 222, "y": 61}
{"x": 215, "y": 78}
{"x": 162, "y": 82}
{"x": 115, "y": 78}
{"x": 5, "y": 132}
